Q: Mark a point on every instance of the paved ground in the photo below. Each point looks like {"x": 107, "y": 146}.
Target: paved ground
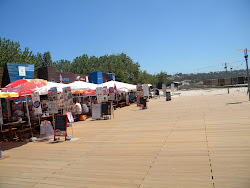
{"x": 194, "y": 141}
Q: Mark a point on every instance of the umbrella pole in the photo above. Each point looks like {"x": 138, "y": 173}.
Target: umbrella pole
{"x": 39, "y": 119}
{"x": 8, "y": 108}
{"x": 27, "y": 111}
{"x": 28, "y": 115}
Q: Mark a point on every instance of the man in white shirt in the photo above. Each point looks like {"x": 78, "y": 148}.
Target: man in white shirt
{"x": 78, "y": 108}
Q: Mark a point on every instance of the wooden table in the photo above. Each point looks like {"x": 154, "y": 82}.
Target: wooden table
{"x": 13, "y": 126}
{"x": 9, "y": 121}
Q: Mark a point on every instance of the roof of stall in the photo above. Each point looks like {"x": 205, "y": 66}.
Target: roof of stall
{"x": 44, "y": 90}
{"x": 80, "y": 85}
{"x": 120, "y": 86}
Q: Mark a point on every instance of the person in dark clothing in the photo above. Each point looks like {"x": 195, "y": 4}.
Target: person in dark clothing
{"x": 157, "y": 93}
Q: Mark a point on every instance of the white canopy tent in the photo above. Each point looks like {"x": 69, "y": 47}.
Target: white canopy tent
{"x": 44, "y": 90}
{"x": 120, "y": 86}
{"x": 75, "y": 86}
{"x": 80, "y": 85}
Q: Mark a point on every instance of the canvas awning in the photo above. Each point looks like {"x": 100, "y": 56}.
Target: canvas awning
{"x": 120, "y": 86}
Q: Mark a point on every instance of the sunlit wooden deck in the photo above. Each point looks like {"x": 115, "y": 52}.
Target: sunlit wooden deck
{"x": 195, "y": 141}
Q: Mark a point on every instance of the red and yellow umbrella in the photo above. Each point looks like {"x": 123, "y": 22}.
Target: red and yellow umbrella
{"x": 24, "y": 86}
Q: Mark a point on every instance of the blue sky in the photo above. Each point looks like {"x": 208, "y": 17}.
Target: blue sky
{"x": 187, "y": 36}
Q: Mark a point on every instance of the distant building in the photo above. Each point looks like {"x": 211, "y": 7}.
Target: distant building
{"x": 176, "y": 84}
{"x": 50, "y": 74}
{"x": 17, "y": 71}
{"x": 100, "y": 77}
{"x": 224, "y": 81}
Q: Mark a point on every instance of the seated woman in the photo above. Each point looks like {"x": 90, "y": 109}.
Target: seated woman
{"x": 85, "y": 108}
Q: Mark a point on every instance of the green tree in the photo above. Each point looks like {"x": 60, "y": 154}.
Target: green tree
{"x": 161, "y": 79}
{"x": 9, "y": 52}
{"x": 39, "y": 59}
{"x": 62, "y": 65}
{"x": 47, "y": 61}
{"x": 125, "y": 69}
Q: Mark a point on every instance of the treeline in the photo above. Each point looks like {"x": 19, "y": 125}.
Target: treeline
{"x": 125, "y": 69}
{"x": 207, "y": 76}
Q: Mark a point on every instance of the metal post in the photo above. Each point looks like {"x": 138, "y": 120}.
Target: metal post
{"x": 231, "y": 75}
{"x": 246, "y": 57}
{"x": 226, "y": 78}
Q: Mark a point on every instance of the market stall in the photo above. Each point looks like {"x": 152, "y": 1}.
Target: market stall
{"x": 20, "y": 89}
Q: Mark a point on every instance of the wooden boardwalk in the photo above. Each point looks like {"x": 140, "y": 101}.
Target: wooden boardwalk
{"x": 196, "y": 141}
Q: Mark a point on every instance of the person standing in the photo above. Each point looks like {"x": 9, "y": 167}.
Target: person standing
{"x": 157, "y": 93}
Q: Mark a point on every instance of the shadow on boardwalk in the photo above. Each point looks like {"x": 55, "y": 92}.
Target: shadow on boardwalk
{"x": 12, "y": 144}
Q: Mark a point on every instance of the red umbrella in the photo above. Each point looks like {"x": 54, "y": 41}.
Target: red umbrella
{"x": 16, "y": 83}
{"x": 25, "y": 88}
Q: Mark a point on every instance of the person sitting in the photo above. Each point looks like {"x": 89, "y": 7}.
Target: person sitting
{"x": 32, "y": 114}
{"x": 85, "y": 108}
{"x": 78, "y": 108}
{"x": 17, "y": 114}
{"x": 131, "y": 97}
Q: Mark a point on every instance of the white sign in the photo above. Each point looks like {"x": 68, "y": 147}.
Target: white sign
{"x": 21, "y": 70}
{"x": 52, "y": 103}
{"x": 172, "y": 87}
{"x": 70, "y": 117}
{"x": 105, "y": 94}
{"x": 99, "y": 95}
{"x": 111, "y": 96}
{"x": 36, "y": 103}
{"x": 145, "y": 90}
{"x": 96, "y": 111}
{"x": 68, "y": 99}
{"x": 164, "y": 89}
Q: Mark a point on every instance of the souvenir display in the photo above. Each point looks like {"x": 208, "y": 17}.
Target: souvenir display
{"x": 105, "y": 94}
{"x": 60, "y": 101}
{"x": 99, "y": 95}
{"x": 52, "y": 101}
{"x": 68, "y": 99}
{"x": 111, "y": 95}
